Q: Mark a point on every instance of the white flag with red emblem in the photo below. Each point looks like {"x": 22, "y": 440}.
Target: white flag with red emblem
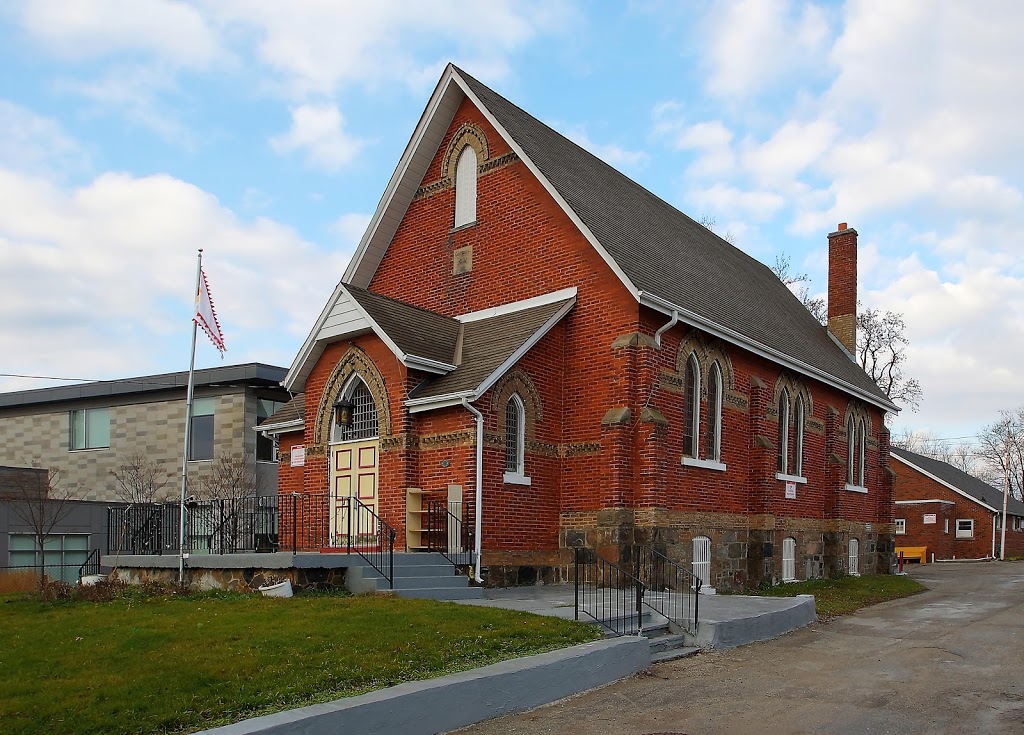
{"x": 206, "y": 316}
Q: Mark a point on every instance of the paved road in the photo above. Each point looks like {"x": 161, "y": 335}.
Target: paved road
{"x": 950, "y": 660}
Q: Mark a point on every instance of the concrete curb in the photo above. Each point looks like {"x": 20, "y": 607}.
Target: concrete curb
{"x": 454, "y": 701}
{"x": 761, "y": 627}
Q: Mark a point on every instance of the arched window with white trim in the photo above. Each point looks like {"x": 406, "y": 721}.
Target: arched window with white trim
{"x": 851, "y": 447}
{"x": 691, "y": 408}
{"x": 355, "y": 413}
{"x": 465, "y": 187}
{"x": 515, "y": 441}
{"x": 783, "y": 448}
{"x": 713, "y": 437}
{"x": 789, "y": 559}
{"x": 862, "y": 438}
{"x": 798, "y": 438}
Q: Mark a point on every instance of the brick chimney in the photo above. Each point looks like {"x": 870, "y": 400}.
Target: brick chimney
{"x": 842, "y": 285}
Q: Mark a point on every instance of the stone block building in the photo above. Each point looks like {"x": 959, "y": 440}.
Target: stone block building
{"x": 530, "y": 335}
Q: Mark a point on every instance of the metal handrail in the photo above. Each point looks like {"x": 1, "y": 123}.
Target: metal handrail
{"x": 91, "y": 565}
{"x": 672, "y": 591}
{"x": 607, "y": 593}
{"x": 377, "y": 537}
{"x": 448, "y": 534}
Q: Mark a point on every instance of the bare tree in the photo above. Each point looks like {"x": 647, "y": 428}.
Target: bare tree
{"x": 709, "y": 221}
{"x": 799, "y": 284}
{"x": 39, "y": 501}
{"x": 139, "y": 480}
{"x": 882, "y": 352}
{"x": 1002, "y": 450}
{"x": 231, "y": 476}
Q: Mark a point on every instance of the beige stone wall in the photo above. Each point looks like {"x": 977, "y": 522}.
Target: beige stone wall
{"x": 155, "y": 428}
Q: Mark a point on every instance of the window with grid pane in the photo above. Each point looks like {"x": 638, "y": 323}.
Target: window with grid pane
{"x": 691, "y": 408}
{"x": 514, "y": 435}
{"x": 713, "y": 448}
{"x": 782, "y": 458}
{"x": 364, "y": 414}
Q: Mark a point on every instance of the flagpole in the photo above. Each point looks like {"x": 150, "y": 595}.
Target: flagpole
{"x": 188, "y": 430}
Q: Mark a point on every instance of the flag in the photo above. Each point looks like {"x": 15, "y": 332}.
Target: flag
{"x": 206, "y": 316}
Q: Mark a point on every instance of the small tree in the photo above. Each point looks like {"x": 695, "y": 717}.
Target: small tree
{"x": 1002, "y": 450}
{"x": 231, "y": 476}
{"x": 799, "y": 284}
{"x": 139, "y": 480}
{"x": 39, "y": 501}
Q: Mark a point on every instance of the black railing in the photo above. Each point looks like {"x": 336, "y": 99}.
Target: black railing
{"x": 607, "y": 593}
{"x": 448, "y": 534}
{"x": 672, "y": 591}
{"x": 149, "y": 528}
{"x": 370, "y": 537}
{"x": 91, "y": 565}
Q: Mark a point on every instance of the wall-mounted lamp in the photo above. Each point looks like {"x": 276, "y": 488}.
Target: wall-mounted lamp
{"x": 343, "y": 411}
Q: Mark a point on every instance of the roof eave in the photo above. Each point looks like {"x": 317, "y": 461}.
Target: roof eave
{"x": 419, "y": 405}
{"x": 284, "y": 427}
{"x": 663, "y": 305}
{"x": 945, "y": 484}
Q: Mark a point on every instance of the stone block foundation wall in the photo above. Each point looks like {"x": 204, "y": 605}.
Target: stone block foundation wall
{"x": 237, "y": 580}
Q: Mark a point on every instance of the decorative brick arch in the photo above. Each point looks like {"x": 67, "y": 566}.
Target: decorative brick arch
{"x": 796, "y": 387}
{"x": 471, "y": 135}
{"x": 353, "y": 362}
{"x": 516, "y": 381}
{"x": 858, "y": 411}
{"x": 708, "y": 353}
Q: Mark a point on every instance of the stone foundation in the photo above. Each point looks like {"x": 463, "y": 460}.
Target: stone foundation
{"x": 238, "y": 580}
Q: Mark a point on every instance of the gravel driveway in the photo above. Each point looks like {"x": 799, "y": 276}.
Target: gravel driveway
{"x": 950, "y": 660}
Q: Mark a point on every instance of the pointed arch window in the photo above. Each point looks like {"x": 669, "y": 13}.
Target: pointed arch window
{"x": 851, "y": 448}
{"x": 355, "y": 414}
{"x": 862, "y": 435}
{"x": 783, "y": 448}
{"x": 465, "y": 187}
{"x": 798, "y": 438}
{"x": 515, "y": 441}
{"x": 691, "y": 408}
{"x": 713, "y": 438}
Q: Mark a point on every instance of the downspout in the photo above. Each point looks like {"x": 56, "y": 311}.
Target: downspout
{"x": 671, "y": 323}
{"x": 994, "y": 517}
{"x": 479, "y": 478}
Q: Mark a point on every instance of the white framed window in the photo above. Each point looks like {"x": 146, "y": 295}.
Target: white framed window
{"x": 691, "y": 408}
{"x": 515, "y": 441}
{"x": 901, "y": 526}
{"x": 465, "y": 187}
{"x": 854, "y": 557}
{"x": 713, "y": 437}
{"x": 862, "y": 435}
{"x": 782, "y": 458}
{"x": 702, "y": 560}
{"x": 90, "y": 428}
{"x": 945, "y": 525}
{"x": 789, "y": 559}
{"x": 851, "y": 448}
{"x": 965, "y": 528}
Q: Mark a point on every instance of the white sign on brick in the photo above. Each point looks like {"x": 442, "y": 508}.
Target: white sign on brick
{"x": 299, "y": 455}
{"x": 929, "y": 518}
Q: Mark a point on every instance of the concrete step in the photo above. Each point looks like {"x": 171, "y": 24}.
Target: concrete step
{"x": 422, "y": 582}
{"x": 673, "y": 653}
{"x": 425, "y": 570}
{"x": 667, "y": 642}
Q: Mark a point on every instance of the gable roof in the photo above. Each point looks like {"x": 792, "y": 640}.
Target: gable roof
{"x": 959, "y": 481}
{"x": 290, "y": 417}
{"x": 492, "y": 341}
{"x": 668, "y": 261}
{"x": 419, "y": 338}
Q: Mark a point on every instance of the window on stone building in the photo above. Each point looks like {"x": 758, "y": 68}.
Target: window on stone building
{"x": 965, "y": 528}
{"x": 266, "y": 450}
{"x": 465, "y": 187}
{"x": 789, "y": 559}
{"x": 798, "y": 439}
{"x": 783, "y": 447}
{"x": 515, "y": 441}
{"x": 713, "y": 437}
{"x": 854, "y": 557}
{"x": 691, "y": 407}
{"x": 901, "y": 526}
{"x": 90, "y": 428}
{"x": 702, "y": 560}
{"x": 200, "y": 442}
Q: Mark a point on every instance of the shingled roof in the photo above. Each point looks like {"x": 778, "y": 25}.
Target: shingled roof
{"x": 957, "y": 479}
{"x": 289, "y": 417}
{"x": 416, "y": 331}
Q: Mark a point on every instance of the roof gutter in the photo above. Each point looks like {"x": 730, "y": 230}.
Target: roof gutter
{"x": 479, "y": 476}
{"x": 666, "y": 307}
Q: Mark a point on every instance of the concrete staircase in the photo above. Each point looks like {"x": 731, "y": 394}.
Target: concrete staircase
{"x": 665, "y": 645}
{"x": 423, "y": 575}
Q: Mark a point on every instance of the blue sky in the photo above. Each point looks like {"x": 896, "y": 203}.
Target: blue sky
{"x": 134, "y": 131}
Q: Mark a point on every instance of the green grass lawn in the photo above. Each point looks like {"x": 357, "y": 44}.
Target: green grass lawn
{"x": 842, "y": 595}
{"x": 171, "y": 665}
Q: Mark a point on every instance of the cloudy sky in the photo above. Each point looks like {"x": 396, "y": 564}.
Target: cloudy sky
{"x": 133, "y": 132}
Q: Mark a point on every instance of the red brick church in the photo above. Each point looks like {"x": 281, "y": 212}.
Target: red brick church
{"x": 530, "y": 336}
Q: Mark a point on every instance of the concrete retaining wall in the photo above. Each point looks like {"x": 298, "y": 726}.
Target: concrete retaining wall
{"x": 450, "y": 702}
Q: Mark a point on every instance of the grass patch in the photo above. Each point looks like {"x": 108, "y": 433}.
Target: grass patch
{"x": 842, "y": 595}
{"x": 176, "y": 664}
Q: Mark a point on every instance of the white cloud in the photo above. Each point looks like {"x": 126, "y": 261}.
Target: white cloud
{"x": 754, "y": 42}
{"x": 350, "y": 228}
{"x": 98, "y": 279}
{"x": 171, "y": 32}
{"x": 318, "y": 130}
{"x": 610, "y": 153}
{"x": 794, "y": 147}
{"x": 33, "y": 143}
{"x": 728, "y": 200}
